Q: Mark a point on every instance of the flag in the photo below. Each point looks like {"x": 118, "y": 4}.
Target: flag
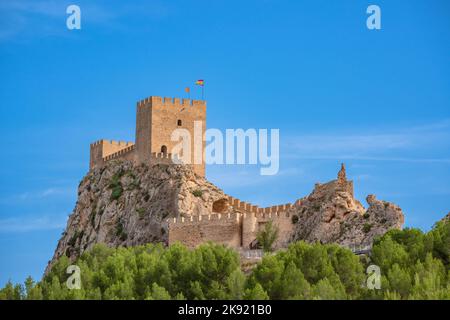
{"x": 200, "y": 82}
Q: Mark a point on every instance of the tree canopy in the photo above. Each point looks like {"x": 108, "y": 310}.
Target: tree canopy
{"x": 413, "y": 265}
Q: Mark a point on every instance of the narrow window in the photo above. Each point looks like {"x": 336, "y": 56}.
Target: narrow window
{"x": 179, "y": 123}
{"x": 164, "y": 150}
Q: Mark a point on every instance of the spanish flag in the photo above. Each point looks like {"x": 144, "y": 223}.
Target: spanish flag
{"x": 200, "y": 83}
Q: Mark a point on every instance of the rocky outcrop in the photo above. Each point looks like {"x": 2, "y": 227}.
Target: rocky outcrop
{"x": 332, "y": 214}
{"x": 123, "y": 204}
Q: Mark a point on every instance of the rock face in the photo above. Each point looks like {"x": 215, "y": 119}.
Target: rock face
{"x": 123, "y": 204}
{"x": 332, "y": 214}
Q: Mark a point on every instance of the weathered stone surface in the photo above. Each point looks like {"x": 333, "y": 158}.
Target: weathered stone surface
{"x": 331, "y": 214}
{"x": 128, "y": 204}
{"x": 150, "y": 195}
{"x": 446, "y": 218}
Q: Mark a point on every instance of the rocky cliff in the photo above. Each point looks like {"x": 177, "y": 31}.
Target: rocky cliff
{"x": 123, "y": 204}
{"x": 332, "y": 214}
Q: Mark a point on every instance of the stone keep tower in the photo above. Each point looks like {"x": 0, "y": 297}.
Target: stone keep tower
{"x": 157, "y": 118}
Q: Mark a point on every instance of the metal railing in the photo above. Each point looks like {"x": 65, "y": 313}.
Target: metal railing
{"x": 252, "y": 253}
{"x": 359, "y": 248}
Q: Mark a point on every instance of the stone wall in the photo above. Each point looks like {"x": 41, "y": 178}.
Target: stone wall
{"x": 238, "y": 228}
{"x": 156, "y": 119}
{"x": 254, "y": 222}
{"x": 102, "y": 149}
{"x": 194, "y": 230}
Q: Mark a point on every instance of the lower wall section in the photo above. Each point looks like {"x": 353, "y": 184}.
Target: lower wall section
{"x": 224, "y": 230}
{"x": 235, "y": 230}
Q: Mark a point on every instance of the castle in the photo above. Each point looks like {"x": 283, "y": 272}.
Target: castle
{"x": 156, "y": 119}
{"x": 229, "y": 221}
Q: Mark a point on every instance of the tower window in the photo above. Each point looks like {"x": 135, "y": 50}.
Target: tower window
{"x": 164, "y": 149}
{"x": 179, "y": 123}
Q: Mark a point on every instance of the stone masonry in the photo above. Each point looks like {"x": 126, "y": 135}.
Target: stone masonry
{"x": 329, "y": 214}
{"x": 156, "y": 119}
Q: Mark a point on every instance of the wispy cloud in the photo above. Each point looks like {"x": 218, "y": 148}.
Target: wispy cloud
{"x": 47, "y": 17}
{"x": 38, "y": 194}
{"x": 11, "y": 225}
{"x": 407, "y": 144}
{"x": 56, "y": 191}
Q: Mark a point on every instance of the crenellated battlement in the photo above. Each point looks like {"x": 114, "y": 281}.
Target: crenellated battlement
{"x": 206, "y": 218}
{"x": 161, "y": 155}
{"x": 250, "y": 208}
{"x": 112, "y": 142}
{"x": 267, "y": 216}
{"x": 274, "y": 212}
{"x": 156, "y": 119}
{"x": 170, "y": 102}
{"x": 119, "y": 154}
{"x": 237, "y": 227}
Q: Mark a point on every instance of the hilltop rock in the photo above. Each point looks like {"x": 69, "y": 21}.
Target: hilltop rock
{"x": 332, "y": 214}
{"x": 446, "y": 218}
{"x": 123, "y": 204}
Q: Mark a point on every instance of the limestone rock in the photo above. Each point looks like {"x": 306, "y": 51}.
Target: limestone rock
{"x": 331, "y": 214}
{"x": 124, "y": 204}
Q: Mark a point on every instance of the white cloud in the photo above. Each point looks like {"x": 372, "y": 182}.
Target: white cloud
{"x": 32, "y": 224}
{"x": 47, "y": 17}
{"x": 398, "y": 144}
{"x": 39, "y": 194}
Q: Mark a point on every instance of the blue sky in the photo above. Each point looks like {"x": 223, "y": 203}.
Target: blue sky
{"x": 376, "y": 100}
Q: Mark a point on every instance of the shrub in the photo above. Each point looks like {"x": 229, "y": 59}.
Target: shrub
{"x": 73, "y": 239}
{"x": 116, "y": 186}
{"x": 197, "y": 193}
{"x": 93, "y": 214}
{"x": 116, "y": 193}
{"x": 140, "y": 212}
{"x": 120, "y": 232}
{"x": 267, "y": 236}
{"x": 414, "y": 265}
{"x": 367, "y": 227}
